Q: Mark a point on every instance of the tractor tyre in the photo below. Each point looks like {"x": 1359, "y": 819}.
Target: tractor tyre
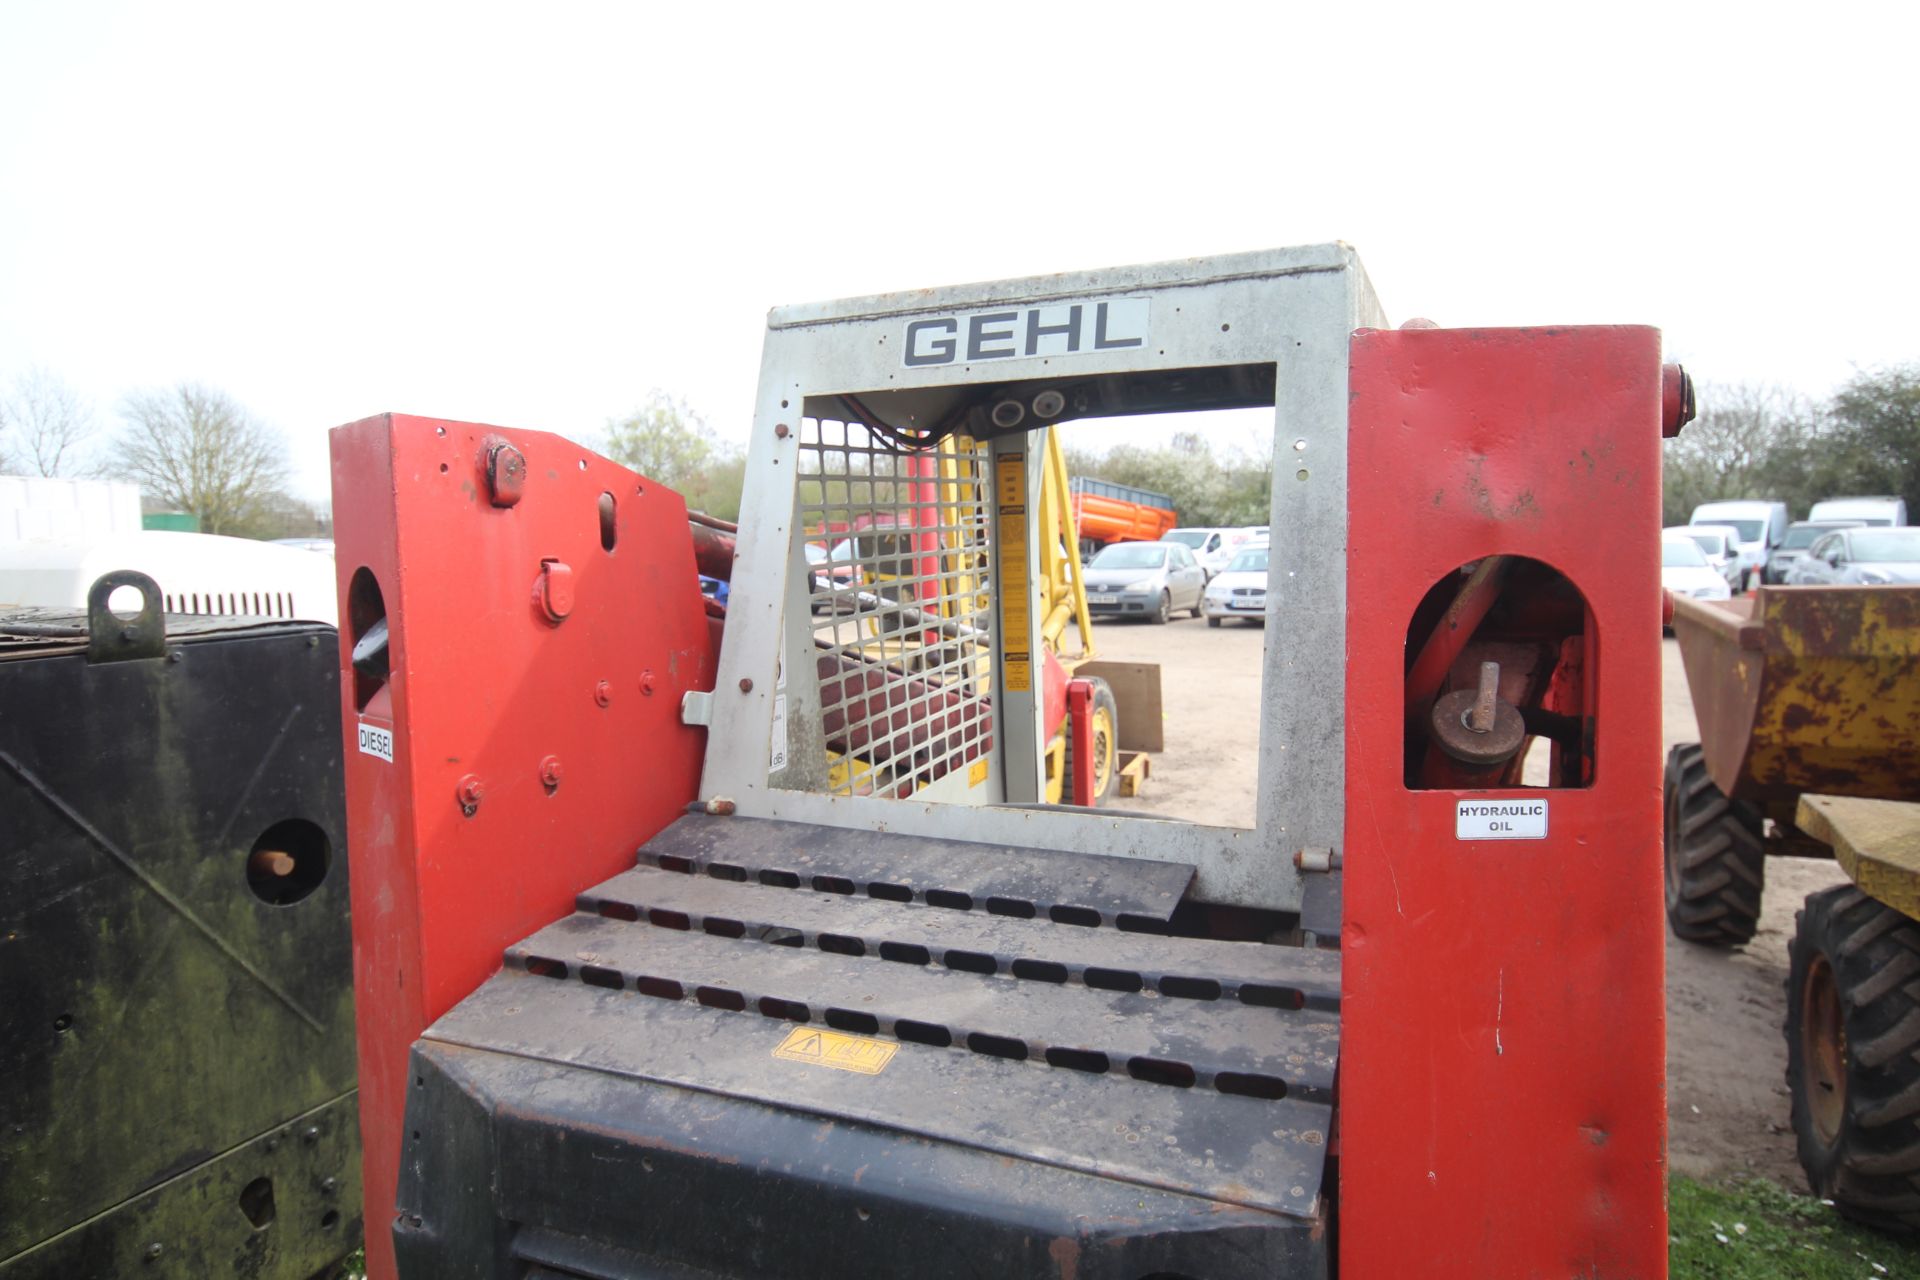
{"x": 1162, "y": 611}
{"x": 1105, "y": 714}
{"x": 1853, "y": 1055}
{"x": 1715, "y": 865}
{"x": 1213, "y": 622}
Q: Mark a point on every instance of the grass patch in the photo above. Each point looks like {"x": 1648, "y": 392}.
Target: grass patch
{"x": 1749, "y": 1229}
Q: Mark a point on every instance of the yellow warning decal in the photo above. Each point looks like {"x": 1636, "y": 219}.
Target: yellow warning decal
{"x": 1010, "y": 485}
{"x": 831, "y": 1049}
{"x": 976, "y": 773}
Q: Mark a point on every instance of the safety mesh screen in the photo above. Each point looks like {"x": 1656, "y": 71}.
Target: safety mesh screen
{"x": 900, "y": 589}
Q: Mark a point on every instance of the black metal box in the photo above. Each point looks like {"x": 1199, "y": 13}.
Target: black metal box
{"x": 176, "y": 1004}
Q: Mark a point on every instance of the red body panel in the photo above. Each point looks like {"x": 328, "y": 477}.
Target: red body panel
{"x": 568, "y": 733}
{"x": 1502, "y": 1059}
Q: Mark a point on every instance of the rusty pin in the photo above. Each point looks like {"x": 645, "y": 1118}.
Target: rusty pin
{"x": 1480, "y": 718}
{"x": 271, "y": 862}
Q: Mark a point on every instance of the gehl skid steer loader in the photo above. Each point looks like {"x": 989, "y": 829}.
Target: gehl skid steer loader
{"x": 744, "y": 942}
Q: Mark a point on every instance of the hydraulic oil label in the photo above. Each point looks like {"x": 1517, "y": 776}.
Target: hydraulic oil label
{"x": 832, "y": 1049}
{"x": 1010, "y": 492}
{"x": 1501, "y": 820}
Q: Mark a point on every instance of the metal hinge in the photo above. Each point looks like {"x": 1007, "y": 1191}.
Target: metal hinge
{"x": 696, "y": 707}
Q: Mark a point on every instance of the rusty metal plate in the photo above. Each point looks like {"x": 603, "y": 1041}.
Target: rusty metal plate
{"x": 1876, "y": 842}
{"x": 1270, "y": 975}
{"x": 1265, "y": 1154}
{"x": 1819, "y": 690}
{"x": 1074, "y": 888}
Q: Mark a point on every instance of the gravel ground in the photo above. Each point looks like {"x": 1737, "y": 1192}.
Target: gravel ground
{"x": 1726, "y": 1060}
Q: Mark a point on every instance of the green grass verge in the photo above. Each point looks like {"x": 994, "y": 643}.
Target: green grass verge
{"x": 1749, "y": 1228}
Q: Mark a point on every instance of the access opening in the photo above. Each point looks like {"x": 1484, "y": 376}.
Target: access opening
{"x": 256, "y": 1202}
{"x": 943, "y": 531}
{"x": 288, "y": 861}
{"x": 1500, "y": 680}
{"x": 367, "y": 625}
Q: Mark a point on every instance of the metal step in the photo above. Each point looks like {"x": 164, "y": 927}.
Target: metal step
{"x": 1071, "y": 888}
{"x": 824, "y": 1061}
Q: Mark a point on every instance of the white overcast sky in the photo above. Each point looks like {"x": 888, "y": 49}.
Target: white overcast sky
{"x": 532, "y": 214}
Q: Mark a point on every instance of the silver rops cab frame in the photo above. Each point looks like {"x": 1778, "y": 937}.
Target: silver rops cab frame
{"x": 1218, "y": 332}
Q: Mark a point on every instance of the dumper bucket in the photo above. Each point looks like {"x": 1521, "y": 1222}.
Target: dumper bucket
{"x": 1807, "y": 689}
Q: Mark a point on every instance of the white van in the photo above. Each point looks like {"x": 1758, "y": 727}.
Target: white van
{"x": 1761, "y": 522}
{"x": 1213, "y": 548}
{"x": 1872, "y": 511}
{"x": 197, "y": 573}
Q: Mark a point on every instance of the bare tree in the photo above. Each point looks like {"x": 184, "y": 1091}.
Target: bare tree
{"x": 1749, "y": 441}
{"x": 44, "y": 426}
{"x": 194, "y": 448}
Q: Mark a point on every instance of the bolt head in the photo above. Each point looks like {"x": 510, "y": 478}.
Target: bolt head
{"x": 550, "y": 772}
{"x": 646, "y": 683}
{"x": 506, "y": 474}
{"x": 603, "y": 693}
{"x": 154, "y": 1251}
{"x": 746, "y": 685}
{"x": 469, "y": 792}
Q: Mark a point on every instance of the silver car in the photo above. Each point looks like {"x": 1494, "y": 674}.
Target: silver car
{"x": 1145, "y": 580}
{"x": 1865, "y": 555}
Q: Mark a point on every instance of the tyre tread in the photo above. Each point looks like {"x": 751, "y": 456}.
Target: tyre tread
{"x": 1872, "y": 1170}
{"x": 1716, "y": 847}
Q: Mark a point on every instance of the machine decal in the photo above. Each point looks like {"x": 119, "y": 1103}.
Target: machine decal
{"x": 1027, "y": 333}
{"x": 1010, "y": 489}
{"x": 777, "y": 736}
{"x": 376, "y": 741}
{"x": 832, "y": 1049}
{"x": 1501, "y": 820}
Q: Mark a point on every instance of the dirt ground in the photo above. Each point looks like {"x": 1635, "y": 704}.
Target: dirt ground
{"x": 1726, "y": 1060}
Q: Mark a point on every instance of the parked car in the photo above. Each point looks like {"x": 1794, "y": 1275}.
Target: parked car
{"x": 1240, "y": 590}
{"x": 1146, "y": 579}
{"x": 1213, "y": 548}
{"x": 1867, "y": 555}
{"x": 1720, "y": 544}
{"x": 1759, "y": 524}
{"x": 1685, "y": 572}
{"x": 1880, "y": 511}
{"x": 1801, "y": 534}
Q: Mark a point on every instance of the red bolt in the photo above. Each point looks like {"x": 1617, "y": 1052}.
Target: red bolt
{"x": 780, "y": 431}
{"x": 646, "y": 683}
{"x": 469, "y": 791}
{"x": 746, "y": 685}
{"x": 603, "y": 693}
{"x": 550, "y": 773}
